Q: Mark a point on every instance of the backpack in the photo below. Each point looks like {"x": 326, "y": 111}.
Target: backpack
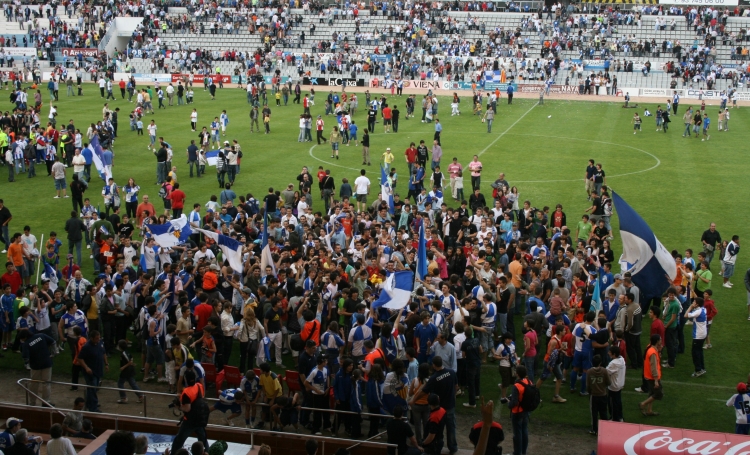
{"x": 297, "y": 343}
{"x": 163, "y": 191}
{"x": 199, "y": 412}
{"x": 531, "y": 397}
{"x": 144, "y": 330}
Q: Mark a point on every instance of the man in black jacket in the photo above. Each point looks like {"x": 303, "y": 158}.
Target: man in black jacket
{"x": 161, "y": 162}
{"x": 35, "y": 348}
{"x": 75, "y": 228}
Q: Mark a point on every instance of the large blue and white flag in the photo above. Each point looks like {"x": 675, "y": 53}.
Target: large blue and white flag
{"x": 396, "y": 292}
{"x": 51, "y": 275}
{"x": 96, "y": 157}
{"x": 171, "y": 233}
{"x": 231, "y": 249}
{"x": 386, "y": 190}
{"x": 650, "y": 264}
{"x": 422, "y": 255}
{"x": 596, "y": 297}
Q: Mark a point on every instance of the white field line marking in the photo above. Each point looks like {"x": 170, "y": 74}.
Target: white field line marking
{"x": 504, "y": 132}
{"x": 658, "y": 161}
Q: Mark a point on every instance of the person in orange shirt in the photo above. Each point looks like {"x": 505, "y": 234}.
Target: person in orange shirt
{"x": 108, "y": 253}
{"x": 652, "y": 373}
{"x": 15, "y": 253}
{"x": 346, "y": 223}
{"x": 211, "y": 281}
{"x": 576, "y": 304}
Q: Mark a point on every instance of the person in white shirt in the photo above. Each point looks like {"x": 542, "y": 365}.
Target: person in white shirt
{"x": 458, "y": 329}
{"x": 697, "y": 313}
{"x": 362, "y": 189}
{"x": 204, "y": 253}
{"x": 616, "y": 370}
{"x": 58, "y": 445}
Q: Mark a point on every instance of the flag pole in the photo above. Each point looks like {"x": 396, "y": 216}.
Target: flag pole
{"x": 40, "y": 262}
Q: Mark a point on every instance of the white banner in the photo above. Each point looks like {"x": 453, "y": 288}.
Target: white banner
{"x": 713, "y": 94}
{"x": 700, "y": 2}
{"x": 20, "y": 51}
{"x": 664, "y": 92}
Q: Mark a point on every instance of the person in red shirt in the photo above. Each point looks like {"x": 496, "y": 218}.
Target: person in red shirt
{"x": 411, "y": 156}
{"x": 177, "y": 196}
{"x": 711, "y": 311}
{"x": 387, "y": 115}
{"x": 567, "y": 346}
{"x": 202, "y": 312}
{"x": 122, "y": 88}
{"x": 11, "y": 277}
{"x": 657, "y": 326}
{"x": 558, "y": 218}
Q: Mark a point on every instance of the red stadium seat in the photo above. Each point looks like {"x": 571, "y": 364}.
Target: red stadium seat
{"x": 292, "y": 382}
{"x": 232, "y": 376}
{"x": 219, "y": 382}
{"x": 210, "y": 370}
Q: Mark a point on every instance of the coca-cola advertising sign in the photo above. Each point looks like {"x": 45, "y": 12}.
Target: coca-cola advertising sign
{"x": 616, "y": 438}
{"x": 74, "y": 51}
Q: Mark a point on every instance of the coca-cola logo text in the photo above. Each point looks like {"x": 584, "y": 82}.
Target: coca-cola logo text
{"x": 618, "y": 438}
{"x": 682, "y": 445}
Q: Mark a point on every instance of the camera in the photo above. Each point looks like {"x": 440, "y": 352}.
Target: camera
{"x": 312, "y": 302}
{"x": 174, "y": 404}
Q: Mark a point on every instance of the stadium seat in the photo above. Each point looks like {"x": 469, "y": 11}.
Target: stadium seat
{"x": 210, "y": 370}
{"x": 232, "y": 376}
{"x": 219, "y": 382}
{"x": 292, "y": 382}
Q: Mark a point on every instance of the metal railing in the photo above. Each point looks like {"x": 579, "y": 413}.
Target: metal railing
{"x": 21, "y": 383}
{"x": 322, "y": 439}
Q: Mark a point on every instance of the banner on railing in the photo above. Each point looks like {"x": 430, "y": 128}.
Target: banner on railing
{"x": 20, "y": 51}
{"x": 198, "y": 78}
{"x": 333, "y": 81}
{"x": 700, "y": 2}
{"x": 74, "y": 51}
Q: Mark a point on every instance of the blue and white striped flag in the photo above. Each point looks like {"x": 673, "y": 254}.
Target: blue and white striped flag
{"x": 651, "y": 265}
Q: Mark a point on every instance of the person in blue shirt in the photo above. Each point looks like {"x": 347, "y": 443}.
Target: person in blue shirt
{"x": 424, "y": 335}
{"x": 509, "y": 91}
{"x": 332, "y": 344}
{"x": 355, "y": 403}
{"x": 706, "y": 126}
{"x": 317, "y": 384}
{"x": 229, "y": 400}
{"x": 438, "y": 130}
{"x": 374, "y": 397}
{"x": 342, "y": 393}
{"x": 583, "y": 352}
{"x": 412, "y": 368}
{"x": 353, "y": 133}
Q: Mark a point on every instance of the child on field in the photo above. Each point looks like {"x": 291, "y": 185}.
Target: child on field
{"x": 208, "y": 344}
{"x": 139, "y": 127}
{"x": 459, "y": 185}
{"x": 711, "y": 311}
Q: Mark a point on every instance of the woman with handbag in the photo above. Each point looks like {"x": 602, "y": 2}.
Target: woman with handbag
{"x": 250, "y": 333}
